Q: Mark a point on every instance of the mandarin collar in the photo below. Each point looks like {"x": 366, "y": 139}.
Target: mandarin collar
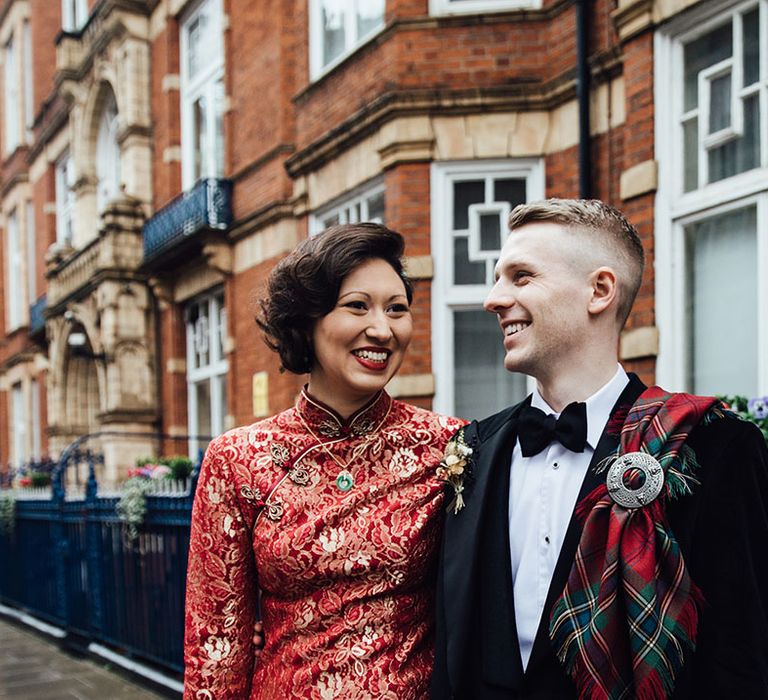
{"x": 329, "y": 424}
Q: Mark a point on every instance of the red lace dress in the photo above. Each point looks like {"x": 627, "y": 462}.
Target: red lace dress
{"x": 346, "y": 577}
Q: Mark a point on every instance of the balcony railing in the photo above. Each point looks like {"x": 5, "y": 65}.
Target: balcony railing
{"x": 206, "y": 207}
{"x": 36, "y": 318}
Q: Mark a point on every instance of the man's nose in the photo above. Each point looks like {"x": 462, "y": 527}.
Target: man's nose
{"x": 498, "y": 298}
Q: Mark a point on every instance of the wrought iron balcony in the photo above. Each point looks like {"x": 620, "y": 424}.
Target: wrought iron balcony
{"x": 36, "y": 318}
{"x": 206, "y": 207}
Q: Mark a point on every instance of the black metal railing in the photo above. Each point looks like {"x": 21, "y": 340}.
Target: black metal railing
{"x": 206, "y": 207}
{"x": 66, "y": 558}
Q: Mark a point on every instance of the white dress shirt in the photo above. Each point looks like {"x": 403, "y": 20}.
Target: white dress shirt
{"x": 542, "y": 495}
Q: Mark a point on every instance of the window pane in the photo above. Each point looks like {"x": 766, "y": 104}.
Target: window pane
{"x": 334, "y": 39}
{"x": 741, "y": 154}
{"x": 720, "y": 103}
{"x": 701, "y": 53}
{"x": 194, "y": 45}
{"x": 464, "y": 271}
{"x": 376, "y": 208}
{"x": 722, "y": 317}
{"x": 512, "y": 191}
{"x": 218, "y": 102}
{"x": 331, "y": 221}
{"x": 481, "y": 384}
{"x": 464, "y": 194}
{"x": 490, "y": 232}
{"x": 370, "y": 16}
{"x": 222, "y": 412}
{"x": 199, "y": 141}
{"x": 691, "y": 154}
{"x": 751, "y": 28}
{"x": 202, "y": 398}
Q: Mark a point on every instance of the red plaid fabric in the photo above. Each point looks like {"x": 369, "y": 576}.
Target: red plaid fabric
{"x": 629, "y": 608}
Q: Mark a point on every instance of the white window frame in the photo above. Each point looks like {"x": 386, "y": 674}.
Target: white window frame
{"x": 448, "y": 297}
{"x": 18, "y": 412}
{"x": 74, "y": 15}
{"x": 31, "y": 252}
{"x": 11, "y": 96}
{"x": 676, "y": 209}
{"x": 353, "y": 42}
{"x": 466, "y": 7}
{"x": 36, "y": 422}
{"x": 216, "y": 368}
{"x": 108, "y": 156}
{"x": 345, "y": 206}
{"x": 15, "y": 290}
{"x": 203, "y": 85}
{"x": 29, "y": 91}
{"x": 65, "y": 200}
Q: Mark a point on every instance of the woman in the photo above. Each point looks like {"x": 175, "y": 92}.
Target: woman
{"x": 329, "y": 508}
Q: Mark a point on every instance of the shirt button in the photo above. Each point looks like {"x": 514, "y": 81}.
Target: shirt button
{"x": 555, "y": 465}
{"x": 546, "y": 538}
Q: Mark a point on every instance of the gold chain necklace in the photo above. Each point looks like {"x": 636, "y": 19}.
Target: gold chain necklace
{"x": 344, "y": 479}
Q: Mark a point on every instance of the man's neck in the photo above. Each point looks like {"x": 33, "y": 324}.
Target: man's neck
{"x": 575, "y": 383}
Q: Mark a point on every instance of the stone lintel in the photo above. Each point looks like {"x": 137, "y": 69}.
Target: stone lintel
{"x": 409, "y": 385}
{"x": 176, "y": 365}
{"x": 639, "y": 342}
{"x": 419, "y": 267}
{"x": 639, "y": 179}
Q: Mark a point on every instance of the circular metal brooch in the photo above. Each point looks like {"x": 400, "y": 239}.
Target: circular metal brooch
{"x": 643, "y": 494}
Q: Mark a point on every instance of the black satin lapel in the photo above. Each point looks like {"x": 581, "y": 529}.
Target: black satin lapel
{"x": 608, "y": 443}
{"x": 461, "y": 545}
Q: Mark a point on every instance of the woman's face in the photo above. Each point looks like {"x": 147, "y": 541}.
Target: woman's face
{"x": 360, "y": 343}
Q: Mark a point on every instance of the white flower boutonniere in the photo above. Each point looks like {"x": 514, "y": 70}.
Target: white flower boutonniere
{"x": 455, "y": 467}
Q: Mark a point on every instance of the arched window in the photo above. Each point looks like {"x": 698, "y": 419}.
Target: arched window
{"x": 107, "y": 155}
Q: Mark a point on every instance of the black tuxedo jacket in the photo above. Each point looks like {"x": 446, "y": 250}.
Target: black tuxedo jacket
{"x": 722, "y": 529}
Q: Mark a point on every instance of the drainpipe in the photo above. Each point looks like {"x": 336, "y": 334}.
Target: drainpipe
{"x": 582, "y": 95}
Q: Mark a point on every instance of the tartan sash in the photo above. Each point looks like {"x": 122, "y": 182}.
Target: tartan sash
{"x": 629, "y": 608}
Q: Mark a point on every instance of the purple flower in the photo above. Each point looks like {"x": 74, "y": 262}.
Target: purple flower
{"x": 758, "y": 407}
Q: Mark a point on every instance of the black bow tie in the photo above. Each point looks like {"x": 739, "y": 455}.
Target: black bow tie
{"x": 536, "y": 429}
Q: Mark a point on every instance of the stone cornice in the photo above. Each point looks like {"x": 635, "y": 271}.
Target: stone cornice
{"x": 269, "y": 214}
{"x": 525, "y": 95}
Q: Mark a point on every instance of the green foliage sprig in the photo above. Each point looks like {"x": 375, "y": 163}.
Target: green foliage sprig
{"x": 753, "y": 410}
{"x": 7, "y": 513}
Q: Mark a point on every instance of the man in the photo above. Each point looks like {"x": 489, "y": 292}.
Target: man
{"x": 666, "y": 597}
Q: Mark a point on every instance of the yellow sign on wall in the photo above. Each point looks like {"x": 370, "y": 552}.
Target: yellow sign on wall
{"x": 260, "y": 394}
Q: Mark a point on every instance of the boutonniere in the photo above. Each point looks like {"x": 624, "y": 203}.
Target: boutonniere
{"x": 455, "y": 467}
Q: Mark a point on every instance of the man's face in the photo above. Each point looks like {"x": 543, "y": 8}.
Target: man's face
{"x": 541, "y": 299}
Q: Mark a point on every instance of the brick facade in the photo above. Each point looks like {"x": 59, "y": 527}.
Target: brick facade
{"x": 423, "y": 90}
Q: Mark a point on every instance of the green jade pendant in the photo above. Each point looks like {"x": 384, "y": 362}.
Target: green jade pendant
{"x": 344, "y": 481}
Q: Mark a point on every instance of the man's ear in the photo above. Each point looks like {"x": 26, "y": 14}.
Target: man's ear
{"x": 605, "y": 290}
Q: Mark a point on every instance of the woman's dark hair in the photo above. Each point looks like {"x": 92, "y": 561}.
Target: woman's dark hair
{"x": 304, "y": 286}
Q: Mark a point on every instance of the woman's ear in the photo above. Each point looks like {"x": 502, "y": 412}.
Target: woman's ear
{"x": 605, "y": 290}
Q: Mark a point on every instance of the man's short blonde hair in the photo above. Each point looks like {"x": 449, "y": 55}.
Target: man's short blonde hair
{"x": 617, "y": 244}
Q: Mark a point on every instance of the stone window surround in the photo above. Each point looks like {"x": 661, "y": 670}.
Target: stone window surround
{"x": 676, "y": 210}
